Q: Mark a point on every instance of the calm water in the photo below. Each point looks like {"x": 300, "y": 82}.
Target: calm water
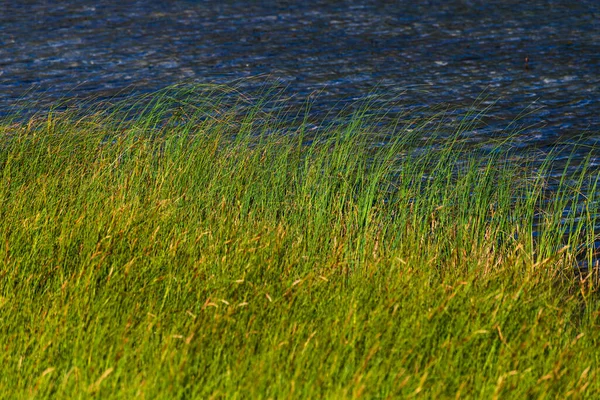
{"x": 422, "y": 52}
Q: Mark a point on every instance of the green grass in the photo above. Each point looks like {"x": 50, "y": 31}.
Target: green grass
{"x": 192, "y": 246}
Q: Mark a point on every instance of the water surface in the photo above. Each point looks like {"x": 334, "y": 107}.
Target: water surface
{"x": 423, "y": 53}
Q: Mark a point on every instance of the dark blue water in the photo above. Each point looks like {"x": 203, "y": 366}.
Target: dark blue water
{"x": 421, "y": 53}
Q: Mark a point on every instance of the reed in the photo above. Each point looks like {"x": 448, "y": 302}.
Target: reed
{"x": 198, "y": 245}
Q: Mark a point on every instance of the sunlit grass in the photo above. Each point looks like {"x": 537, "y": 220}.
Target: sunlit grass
{"x": 191, "y": 246}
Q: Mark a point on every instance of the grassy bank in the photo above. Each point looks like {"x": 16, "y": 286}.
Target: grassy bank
{"x": 178, "y": 250}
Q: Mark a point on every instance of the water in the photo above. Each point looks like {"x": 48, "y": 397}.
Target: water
{"x": 421, "y": 52}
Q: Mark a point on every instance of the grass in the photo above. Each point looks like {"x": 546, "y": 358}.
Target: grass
{"x": 194, "y": 246}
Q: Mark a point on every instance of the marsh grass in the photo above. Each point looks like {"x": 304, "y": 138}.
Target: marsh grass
{"x": 195, "y": 246}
